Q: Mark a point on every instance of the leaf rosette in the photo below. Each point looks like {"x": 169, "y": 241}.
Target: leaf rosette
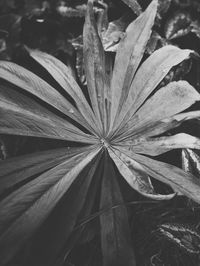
{"x": 120, "y": 126}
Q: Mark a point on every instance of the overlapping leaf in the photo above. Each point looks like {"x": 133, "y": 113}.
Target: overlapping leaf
{"x": 113, "y": 34}
{"x": 136, "y": 176}
{"x": 157, "y": 146}
{"x": 16, "y": 170}
{"x": 134, "y": 5}
{"x": 23, "y": 116}
{"x": 168, "y": 101}
{"x": 159, "y": 127}
{"x": 154, "y": 70}
{"x": 33, "y": 84}
{"x": 63, "y": 219}
{"x": 128, "y": 57}
{"x": 63, "y": 76}
{"x": 24, "y": 210}
{"x": 191, "y": 162}
{"x": 82, "y": 218}
{"x": 178, "y": 179}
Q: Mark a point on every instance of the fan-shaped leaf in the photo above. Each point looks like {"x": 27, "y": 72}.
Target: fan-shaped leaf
{"x": 22, "y": 212}
{"x": 122, "y": 119}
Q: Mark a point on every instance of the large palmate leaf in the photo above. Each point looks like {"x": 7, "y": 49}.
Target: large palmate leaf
{"x": 46, "y": 197}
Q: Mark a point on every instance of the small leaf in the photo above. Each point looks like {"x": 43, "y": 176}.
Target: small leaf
{"x": 102, "y": 20}
{"x": 114, "y": 33}
{"x": 178, "y": 25}
{"x": 69, "y": 12}
{"x": 134, "y": 5}
{"x": 195, "y": 28}
{"x": 183, "y": 236}
{"x": 191, "y": 162}
{"x": 177, "y": 73}
{"x": 163, "y": 6}
{"x": 153, "y": 42}
{"x": 78, "y": 45}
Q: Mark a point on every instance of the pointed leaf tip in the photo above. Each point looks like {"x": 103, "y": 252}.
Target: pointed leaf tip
{"x": 90, "y": 6}
{"x": 153, "y": 5}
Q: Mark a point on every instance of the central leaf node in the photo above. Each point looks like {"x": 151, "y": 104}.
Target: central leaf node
{"x": 104, "y": 143}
